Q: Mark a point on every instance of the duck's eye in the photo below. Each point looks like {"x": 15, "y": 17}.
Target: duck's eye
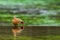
{"x": 22, "y": 22}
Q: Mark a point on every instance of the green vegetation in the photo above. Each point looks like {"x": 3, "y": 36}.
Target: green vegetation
{"x": 30, "y": 20}
{"x": 37, "y": 3}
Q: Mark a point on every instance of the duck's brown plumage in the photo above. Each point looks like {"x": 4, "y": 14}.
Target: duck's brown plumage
{"x": 16, "y": 21}
{"x": 16, "y": 29}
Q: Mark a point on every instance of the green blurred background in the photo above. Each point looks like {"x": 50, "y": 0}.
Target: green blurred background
{"x": 41, "y": 19}
{"x": 33, "y": 12}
